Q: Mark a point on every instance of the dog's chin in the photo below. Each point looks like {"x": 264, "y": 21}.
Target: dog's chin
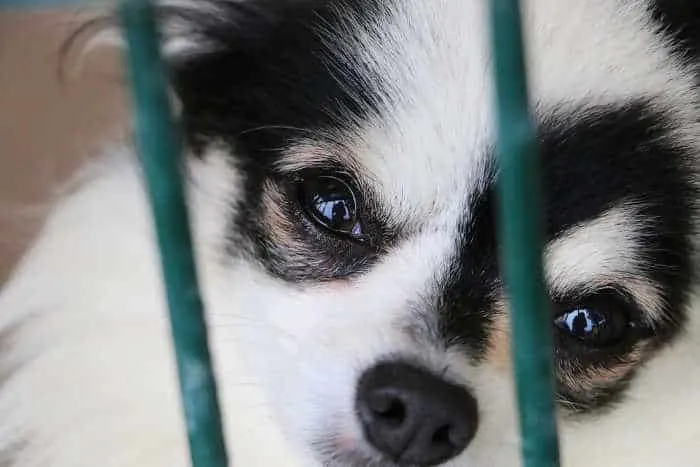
{"x": 333, "y": 453}
{"x": 355, "y": 458}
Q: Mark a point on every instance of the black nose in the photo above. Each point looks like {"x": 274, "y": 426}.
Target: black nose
{"x": 414, "y": 417}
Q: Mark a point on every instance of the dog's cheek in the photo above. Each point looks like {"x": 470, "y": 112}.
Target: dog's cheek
{"x": 281, "y": 342}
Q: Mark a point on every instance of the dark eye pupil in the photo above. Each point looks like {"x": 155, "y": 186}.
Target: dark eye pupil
{"x": 583, "y": 323}
{"x": 591, "y": 326}
{"x": 337, "y": 212}
{"x": 331, "y": 203}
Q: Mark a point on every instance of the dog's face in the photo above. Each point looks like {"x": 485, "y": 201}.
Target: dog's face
{"x": 361, "y": 246}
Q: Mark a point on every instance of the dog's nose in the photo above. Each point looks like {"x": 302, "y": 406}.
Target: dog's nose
{"x": 413, "y": 416}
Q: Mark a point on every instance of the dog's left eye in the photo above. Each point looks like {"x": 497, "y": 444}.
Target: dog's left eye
{"x": 331, "y": 203}
{"x": 594, "y": 326}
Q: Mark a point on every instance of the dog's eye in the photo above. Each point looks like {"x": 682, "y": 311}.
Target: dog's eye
{"x": 332, "y": 204}
{"x": 594, "y": 326}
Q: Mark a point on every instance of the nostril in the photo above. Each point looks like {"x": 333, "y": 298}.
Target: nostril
{"x": 387, "y": 407}
{"x": 450, "y": 436}
{"x": 443, "y": 436}
{"x": 414, "y": 417}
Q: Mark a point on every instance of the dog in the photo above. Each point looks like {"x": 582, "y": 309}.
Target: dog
{"x": 340, "y": 175}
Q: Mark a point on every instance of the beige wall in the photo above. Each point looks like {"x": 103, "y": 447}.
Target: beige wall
{"x": 47, "y": 126}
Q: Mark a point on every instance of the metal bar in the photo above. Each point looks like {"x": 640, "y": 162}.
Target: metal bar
{"x": 520, "y": 231}
{"x": 519, "y": 220}
{"x": 159, "y": 145}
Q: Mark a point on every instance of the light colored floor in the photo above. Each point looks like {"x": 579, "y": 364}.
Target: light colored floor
{"x": 48, "y": 126}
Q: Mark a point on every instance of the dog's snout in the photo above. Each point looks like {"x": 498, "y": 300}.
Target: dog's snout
{"x": 413, "y": 416}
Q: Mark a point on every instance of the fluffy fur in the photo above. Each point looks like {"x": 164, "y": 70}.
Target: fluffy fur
{"x": 395, "y": 96}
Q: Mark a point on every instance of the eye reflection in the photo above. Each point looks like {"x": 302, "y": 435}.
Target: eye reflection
{"x": 594, "y": 326}
{"x": 582, "y": 322}
{"x": 331, "y": 203}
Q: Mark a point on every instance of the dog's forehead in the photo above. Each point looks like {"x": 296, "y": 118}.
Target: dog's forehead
{"x": 611, "y": 101}
{"x": 398, "y": 94}
{"x": 430, "y": 146}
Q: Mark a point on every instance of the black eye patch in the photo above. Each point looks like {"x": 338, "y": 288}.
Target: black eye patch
{"x": 604, "y": 155}
{"x": 594, "y": 158}
{"x": 314, "y": 225}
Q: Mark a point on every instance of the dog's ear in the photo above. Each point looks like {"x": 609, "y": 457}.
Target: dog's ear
{"x": 188, "y": 28}
{"x": 236, "y": 65}
{"x": 191, "y": 32}
{"x": 195, "y": 27}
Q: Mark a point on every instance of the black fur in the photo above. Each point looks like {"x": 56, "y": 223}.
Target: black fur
{"x": 471, "y": 286}
{"x": 593, "y": 159}
{"x": 602, "y": 156}
{"x": 680, "y": 21}
{"x": 271, "y": 78}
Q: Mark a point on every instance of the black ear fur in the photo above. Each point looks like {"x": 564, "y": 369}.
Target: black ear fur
{"x": 271, "y": 64}
{"x": 205, "y": 24}
{"x": 236, "y": 65}
{"x": 211, "y": 24}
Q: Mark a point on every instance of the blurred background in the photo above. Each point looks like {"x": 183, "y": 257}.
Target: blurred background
{"x": 49, "y": 124}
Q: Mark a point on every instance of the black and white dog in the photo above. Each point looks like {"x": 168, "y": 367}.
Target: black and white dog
{"x": 341, "y": 178}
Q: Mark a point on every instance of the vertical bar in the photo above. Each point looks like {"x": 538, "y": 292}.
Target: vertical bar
{"x": 159, "y": 146}
{"x": 520, "y": 230}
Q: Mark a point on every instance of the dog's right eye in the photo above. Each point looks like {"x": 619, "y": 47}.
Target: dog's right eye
{"x": 604, "y": 322}
{"x": 332, "y": 204}
{"x": 595, "y": 327}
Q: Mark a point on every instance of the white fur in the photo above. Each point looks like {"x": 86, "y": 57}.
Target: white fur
{"x": 601, "y": 252}
{"x": 91, "y": 378}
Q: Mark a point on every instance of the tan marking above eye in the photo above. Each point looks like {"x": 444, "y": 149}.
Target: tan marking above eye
{"x": 313, "y": 154}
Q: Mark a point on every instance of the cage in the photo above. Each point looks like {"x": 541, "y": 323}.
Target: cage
{"x": 519, "y": 228}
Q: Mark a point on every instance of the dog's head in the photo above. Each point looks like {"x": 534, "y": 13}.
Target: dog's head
{"x": 360, "y": 240}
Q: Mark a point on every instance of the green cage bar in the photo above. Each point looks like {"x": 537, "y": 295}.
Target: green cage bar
{"x": 159, "y": 145}
{"x": 520, "y": 232}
